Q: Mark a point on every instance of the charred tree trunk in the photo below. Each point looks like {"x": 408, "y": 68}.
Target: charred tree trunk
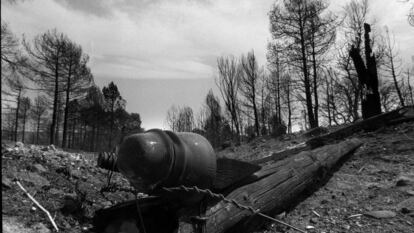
{"x": 66, "y": 117}
{"x": 279, "y": 112}
{"x": 274, "y": 188}
{"x": 397, "y": 88}
{"x": 289, "y": 107}
{"x": 38, "y": 129}
{"x": 368, "y": 77}
{"x": 263, "y": 129}
{"x": 308, "y": 94}
{"x": 256, "y": 115}
{"x": 24, "y": 125}
{"x": 328, "y": 105}
{"x": 315, "y": 86}
{"x": 16, "y": 124}
{"x": 410, "y": 89}
{"x": 95, "y": 146}
{"x": 92, "y": 144}
{"x": 55, "y": 104}
{"x": 85, "y": 132}
{"x": 73, "y": 133}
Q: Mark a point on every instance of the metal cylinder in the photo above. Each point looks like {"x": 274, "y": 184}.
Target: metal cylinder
{"x": 107, "y": 160}
{"x": 159, "y": 158}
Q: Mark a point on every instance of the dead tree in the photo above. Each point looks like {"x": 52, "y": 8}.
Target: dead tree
{"x": 39, "y": 109}
{"x": 276, "y": 64}
{"x": 367, "y": 76}
{"x": 25, "y": 106}
{"x": 288, "y": 22}
{"x": 78, "y": 80}
{"x": 228, "y": 83}
{"x": 322, "y": 35}
{"x": 410, "y": 89}
{"x": 16, "y": 88}
{"x": 248, "y": 84}
{"x": 46, "y": 63}
{"x": 392, "y": 64}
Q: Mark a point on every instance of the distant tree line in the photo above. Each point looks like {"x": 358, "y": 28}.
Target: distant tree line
{"x": 69, "y": 109}
{"x": 310, "y": 78}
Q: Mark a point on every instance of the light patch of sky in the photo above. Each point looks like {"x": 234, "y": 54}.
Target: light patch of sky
{"x": 165, "y": 31}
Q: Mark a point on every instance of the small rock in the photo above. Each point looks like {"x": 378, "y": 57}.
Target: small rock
{"x": 9, "y": 149}
{"x": 313, "y": 220}
{"x": 76, "y": 157}
{"x": 324, "y": 201}
{"x": 34, "y": 178}
{"x": 5, "y": 182}
{"x": 107, "y": 204}
{"x": 71, "y": 205}
{"x": 310, "y": 227}
{"x": 19, "y": 145}
{"x": 410, "y": 192}
{"x": 66, "y": 224}
{"x": 76, "y": 173}
{"x": 405, "y": 180}
{"x": 281, "y": 215}
{"x": 51, "y": 147}
{"x": 54, "y": 191}
{"x": 406, "y": 206}
{"x": 65, "y": 170}
{"x": 381, "y": 214}
{"x": 38, "y": 168}
{"x": 40, "y": 228}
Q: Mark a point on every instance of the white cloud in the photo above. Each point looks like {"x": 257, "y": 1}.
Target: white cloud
{"x": 167, "y": 39}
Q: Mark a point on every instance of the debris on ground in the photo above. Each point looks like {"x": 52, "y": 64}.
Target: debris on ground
{"x": 373, "y": 191}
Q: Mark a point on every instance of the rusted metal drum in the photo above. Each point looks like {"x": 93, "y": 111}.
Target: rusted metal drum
{"x": 160, "y": 158}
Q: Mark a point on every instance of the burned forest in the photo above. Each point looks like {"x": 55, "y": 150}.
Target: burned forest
{"x": 207, "y": 116}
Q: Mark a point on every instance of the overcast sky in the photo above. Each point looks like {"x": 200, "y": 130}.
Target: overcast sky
{"x": 161, "y": 53}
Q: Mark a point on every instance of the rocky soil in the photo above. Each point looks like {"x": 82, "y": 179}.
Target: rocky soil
{"x": 372, "y": 192}
{"x": 69, "y": 185}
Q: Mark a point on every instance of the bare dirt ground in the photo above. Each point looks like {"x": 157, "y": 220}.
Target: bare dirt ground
{"x": 371, "y": 192}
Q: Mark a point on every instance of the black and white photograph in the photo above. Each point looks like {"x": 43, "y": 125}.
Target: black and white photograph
{"x": 207, "y": 116}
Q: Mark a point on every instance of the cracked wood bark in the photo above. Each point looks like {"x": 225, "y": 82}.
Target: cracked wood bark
{"x": 274, "y": 187}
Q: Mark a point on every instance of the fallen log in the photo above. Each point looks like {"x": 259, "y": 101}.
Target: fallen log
{"x": 373, "y": 123}
{"x": 390, "y": 118}
{"x": 273, "y": 188}
{"x": 279, "y": 155}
